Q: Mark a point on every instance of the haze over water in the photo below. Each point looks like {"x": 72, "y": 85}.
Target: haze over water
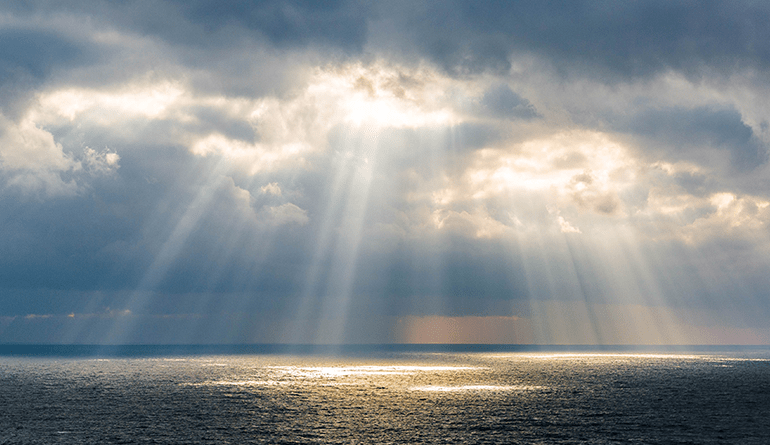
{"x": 389, "y": 397}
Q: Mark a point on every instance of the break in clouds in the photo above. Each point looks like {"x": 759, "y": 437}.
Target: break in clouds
{"x": 287, "y": 171}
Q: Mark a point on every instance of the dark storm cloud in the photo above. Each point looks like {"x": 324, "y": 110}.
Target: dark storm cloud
{"x": 108, "y": 239}
{"x": 337, "y": 23}
{"x": 604, "y": 39}
{"x": 77, "y": 243}
{"x": 611, "y": 41}
{"x": 499, "y": 101}
{"x": 688, "y": 133}
{"x": 27, "y": 58}
{"x": 205, "y": 23}
{"x": 600, "y": 39}
{"x": 233, "y": 49}
{"x": 28, "y": 53}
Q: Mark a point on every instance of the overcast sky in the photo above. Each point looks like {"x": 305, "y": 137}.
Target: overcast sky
{"x": 357, "y": 172}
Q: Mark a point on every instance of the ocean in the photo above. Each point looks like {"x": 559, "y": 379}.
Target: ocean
{"x": 407, "y": 394}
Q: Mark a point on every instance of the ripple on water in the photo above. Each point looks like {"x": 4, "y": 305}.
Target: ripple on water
{"x": 441, "y": 398}
{"x": 494, "y": 388}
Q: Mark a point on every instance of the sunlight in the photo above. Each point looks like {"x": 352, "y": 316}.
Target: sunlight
{"x": 343, "y": 371}
{"x": 339, "y": 290}
{"x": 582, "y": 172}
{"x": 568, "y": 164}
{"x": 364, "y": 98}
{"x": 573, "y": 179}
{"x": 465, "y": 388}
{"x": 366, "y": 101}
{"x": 612, "y": 355}
{"x": 465, "y": 330}
{"x": 256, "y": 157}
{"x": 328, "y": 173}
{"x": 167, "y": 254}
{"x": 147, "y": 101}
{"x": 323, "y": 309}
{"x": 380, "y": 96}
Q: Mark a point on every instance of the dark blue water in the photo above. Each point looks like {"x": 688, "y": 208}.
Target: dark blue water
{"x": 391, "y": 395}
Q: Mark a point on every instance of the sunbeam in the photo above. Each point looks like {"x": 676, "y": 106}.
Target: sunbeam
{"x": 341, "y": 277}
{"x": 368, "y": 183}
{"x": 168, "y": 253}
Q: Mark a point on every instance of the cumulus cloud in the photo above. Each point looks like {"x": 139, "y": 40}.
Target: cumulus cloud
{"x": 32, "y": 161}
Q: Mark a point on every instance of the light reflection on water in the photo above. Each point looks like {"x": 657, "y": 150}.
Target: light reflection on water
{"x": 240, "y": 383}
{"x": 602, "y": 355}
{"x": 348, "y": 375}
{"x": 332, "y": 371}
{"x": 396, "y": 398}
{"x": 476, "y": 388}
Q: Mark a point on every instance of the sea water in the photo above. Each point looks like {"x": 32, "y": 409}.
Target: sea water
{"x": 387, "y": 397}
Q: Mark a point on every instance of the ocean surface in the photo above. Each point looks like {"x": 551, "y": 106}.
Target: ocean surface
{"x": 409, "y": 395}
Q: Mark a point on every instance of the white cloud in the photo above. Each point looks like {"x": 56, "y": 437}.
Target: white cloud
{"x": 506, "y": 189}
{"x": 33, "y": 161}
{"x": 100, "y": 162}
{"x": 476, "y": 223}
{"x": 271, "y": 189}
{"x": 741, "y": 216}
{"x": 25, "y": 146}
{"x": 566, "y": 227}
{"x": 253, "y": 157}
{"x": 111, "y": 106}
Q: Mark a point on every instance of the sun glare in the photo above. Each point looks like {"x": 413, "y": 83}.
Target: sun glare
{"x": 378, "y": 96}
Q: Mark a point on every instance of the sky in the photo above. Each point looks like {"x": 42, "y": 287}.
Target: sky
{"x": 580, "y": 172}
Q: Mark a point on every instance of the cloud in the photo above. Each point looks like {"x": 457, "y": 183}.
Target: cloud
{"x": 271, "y": 189}
{"x": 33, "y": 53}
{"x": 578, "y": 170}
{"x": 32, "y": 161}
{"x": 566, "y": 227}
{"x": 585, "y": 38}
{"x": 500, "y": 101}
{"x": 287, "y": 23}
{"x": 27, "y": 58}
{"x": 341, "y": 166}
{"x": 286, "y": 214}
{"x": 689, "y": 134}
{"x": 100, "y": 162}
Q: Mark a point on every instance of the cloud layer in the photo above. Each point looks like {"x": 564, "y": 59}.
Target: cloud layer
{"x": 289, "y": 171}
